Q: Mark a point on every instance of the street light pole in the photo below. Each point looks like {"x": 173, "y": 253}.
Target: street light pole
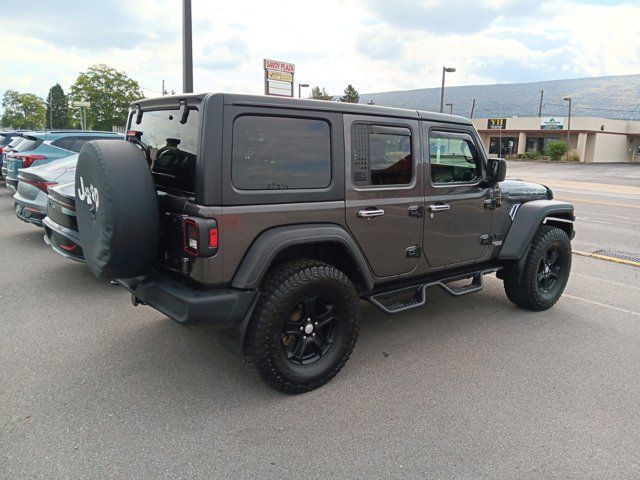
{"x": 300, "y": 85}
{"x": 568, "y": 99}
{"x": 444, "y": 71}
{"x": 187, "y": 48}
{"x": 450, "y": 105}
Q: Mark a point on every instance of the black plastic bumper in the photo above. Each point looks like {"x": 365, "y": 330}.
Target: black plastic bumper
{"x": 184, "y": 304}
{"x": 29, "y": 215}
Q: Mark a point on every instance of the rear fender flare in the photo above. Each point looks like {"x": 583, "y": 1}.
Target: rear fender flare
{"x": 271, "y": 242}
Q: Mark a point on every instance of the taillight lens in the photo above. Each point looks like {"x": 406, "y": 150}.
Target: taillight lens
{"x": 213, "y": 237}
{"x": 191, "y": 236}
{"x": 43, "y": 186}
{"x": 200, "y": 236}
{"x": 27, "y": 160}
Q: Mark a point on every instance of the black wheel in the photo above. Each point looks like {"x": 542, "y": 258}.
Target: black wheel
{"x": 304, "y": 326}
{"x": 545, "y": 273}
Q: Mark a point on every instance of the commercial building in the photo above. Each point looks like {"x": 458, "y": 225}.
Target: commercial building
{"x": 592, "y": 139}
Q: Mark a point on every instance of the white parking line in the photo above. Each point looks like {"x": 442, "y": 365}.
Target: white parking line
{"x": 605, "y": 305}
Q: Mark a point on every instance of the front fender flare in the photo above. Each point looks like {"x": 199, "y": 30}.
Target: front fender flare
{"x": 528, "y": 218}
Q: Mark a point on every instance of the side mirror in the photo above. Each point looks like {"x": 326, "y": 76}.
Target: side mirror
{"x": 497, "y": 170}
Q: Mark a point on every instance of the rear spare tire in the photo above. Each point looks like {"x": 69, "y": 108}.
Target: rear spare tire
{"x": 116, "y": 209}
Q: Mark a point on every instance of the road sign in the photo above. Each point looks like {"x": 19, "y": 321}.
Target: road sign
{"x": 278, "y": 78}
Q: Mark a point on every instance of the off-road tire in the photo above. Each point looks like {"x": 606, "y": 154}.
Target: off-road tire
{"x": 524, "y": 290}
{"x": 282, "y": 289}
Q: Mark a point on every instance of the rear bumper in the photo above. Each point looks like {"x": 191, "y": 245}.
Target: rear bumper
{"x": 62, "y": 240}
{"x": 11, "y": 184}
{"x": 220, "y": 308}
{"x": 29, "y": 214}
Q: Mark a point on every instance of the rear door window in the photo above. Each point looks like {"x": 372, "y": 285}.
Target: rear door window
{"x": 173, "y": 147}
{"x": 65, "y": 143}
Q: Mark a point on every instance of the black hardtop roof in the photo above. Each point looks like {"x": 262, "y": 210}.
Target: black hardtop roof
{"x": 296, "y": 103}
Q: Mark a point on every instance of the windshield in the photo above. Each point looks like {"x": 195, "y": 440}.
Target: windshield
{"x": 173, "y": 147}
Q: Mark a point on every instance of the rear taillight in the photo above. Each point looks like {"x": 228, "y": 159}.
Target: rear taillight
{"x": 43, "y": 186}
{"x": 27, "y": 160}
{"x": 1, "y": 150}
{"x": 200, "y": 237}
{"x": 191, "y": 237}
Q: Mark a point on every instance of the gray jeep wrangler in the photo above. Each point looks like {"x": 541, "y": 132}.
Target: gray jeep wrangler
{"x": 272, "y": 218}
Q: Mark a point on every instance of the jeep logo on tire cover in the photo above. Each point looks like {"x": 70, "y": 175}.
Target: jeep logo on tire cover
{"x": 89, "y": 195}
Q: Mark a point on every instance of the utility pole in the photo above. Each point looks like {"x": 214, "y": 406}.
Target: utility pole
{"x": 187, "y": 48}
{"x": 473, "y": 107}
{"x": 540, "y": 107}
{"x": 50, "y": 110}
{"x": 444, "y": 71}
{"x": 163, "y": 90}
{"x": 568, "y": 99}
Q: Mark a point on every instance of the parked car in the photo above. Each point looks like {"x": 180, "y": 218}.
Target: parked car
{"x": 48, "y": 147}
{"x": 31, "y": 196}
{"x": 60, "y": 225}
{"x": 13, "y": 146}
{"x": 272, "y": 218}
{"x": 5, "y": 139}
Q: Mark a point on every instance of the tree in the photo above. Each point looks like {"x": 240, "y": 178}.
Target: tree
{"x": 57, "y": 108}
{"x": 22, "y": 110}
{"x": 351, "y": 95}
{"x": 318, "y": 94}
{"x": 110, "y": 93}
{"x": 556, "y": 149}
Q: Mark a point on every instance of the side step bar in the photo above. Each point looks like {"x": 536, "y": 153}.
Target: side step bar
{"x": 414, "y": 296}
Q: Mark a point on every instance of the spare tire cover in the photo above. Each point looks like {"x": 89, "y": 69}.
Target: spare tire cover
{"x": 116, "y": 209}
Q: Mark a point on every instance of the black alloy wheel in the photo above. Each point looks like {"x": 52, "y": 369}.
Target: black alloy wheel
{"x": 309, "y": 331}
{"x": 549, "y": 270}
{"x": 304, "y": 326}
{"x": 546, "y": 271}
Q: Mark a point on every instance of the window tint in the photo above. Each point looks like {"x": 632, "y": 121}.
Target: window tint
{"x": 454, "y": 158}
{"x": 173, "y": 147}
{"x": 29, "y": 143}
{"x": 277, "y": 153}
{"x": 381, "y": 155}
{"x": 65, "y": 143}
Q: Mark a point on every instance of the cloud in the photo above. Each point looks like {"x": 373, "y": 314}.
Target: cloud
{"x": 446, "y": 16}
{"x": 375, "y": 45}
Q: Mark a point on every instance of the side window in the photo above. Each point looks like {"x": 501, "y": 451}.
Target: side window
{"x": 280, "y": 153}
{"x": 66, "y": 143}
{"x": 454, "y": 158}
{"x": 381, "y": 155}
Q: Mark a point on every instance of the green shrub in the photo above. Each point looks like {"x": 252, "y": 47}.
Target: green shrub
{"x": 573, "y": 156}
{"x": 556, "y": 150}
{"x": 532, "y": 155}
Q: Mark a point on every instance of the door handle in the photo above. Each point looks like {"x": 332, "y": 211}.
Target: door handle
{"x": 370, "y": 212}
{"x": 439, "y": 207}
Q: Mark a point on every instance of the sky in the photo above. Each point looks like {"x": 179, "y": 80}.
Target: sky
{"x": 376, "y": 45}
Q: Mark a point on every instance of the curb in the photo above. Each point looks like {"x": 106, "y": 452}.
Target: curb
{"x": 607, "y": 258}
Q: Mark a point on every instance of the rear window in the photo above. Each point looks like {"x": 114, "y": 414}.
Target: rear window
{"x": 277, "y": 153}
{"x": 16, "y": 141}
{"x": 30, "y": 143}
{"x": 173, "y": 147}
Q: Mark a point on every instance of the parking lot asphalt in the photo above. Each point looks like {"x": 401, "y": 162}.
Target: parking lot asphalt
{"x": 606, "y": 199}
{"x": 473, "y": 387}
